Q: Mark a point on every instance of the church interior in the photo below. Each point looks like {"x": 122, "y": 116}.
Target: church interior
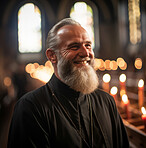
{"x": 118, "y": 31}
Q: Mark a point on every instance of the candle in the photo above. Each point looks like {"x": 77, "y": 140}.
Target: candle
{"x": 144, "y": 117}
{"x": 106, "y": 80}
{"x": 114, "y": 91}
{"x": 122, "y": 92}
{"x": 122, "y": 79}
{"x": 140, "y": 93}
{"x": 126, "y": 105}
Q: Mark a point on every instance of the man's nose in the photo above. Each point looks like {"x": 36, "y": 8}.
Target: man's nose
{"x": 84, "y": 52}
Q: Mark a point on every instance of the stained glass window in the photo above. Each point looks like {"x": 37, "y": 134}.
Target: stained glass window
{"x": 83, "y": 13}
{"x": 29, "y": 29}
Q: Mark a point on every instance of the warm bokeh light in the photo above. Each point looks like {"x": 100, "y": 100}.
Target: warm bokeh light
{"x": 40, "y": 72}
{"x": 124, "y": 67}
{"x": 120, "y": 60}
{"x": 141, "y": 83}
{"x": 122, "y": 78}
{"x": 113, "y": 65}
{"x": 30, "y": 68}
{"x": 49, "y": 64}
{"x": 121, "y": 63}
{"x": 114, "y": 90}
{"x": 102, "y": 66}
{"x": 106, "y": 78}
{"x": 107, "y": 65}
{"x": 36, "y": 65}
{"x": 125, "y": 99}
{"x": 97, "y": 63}
{"x": 7, "y": 81}
{"x": 138, "y": 63}
{"x": 143, "y": 110}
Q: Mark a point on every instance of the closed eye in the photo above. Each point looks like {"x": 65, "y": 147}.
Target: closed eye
{"x": 74, "y": 46}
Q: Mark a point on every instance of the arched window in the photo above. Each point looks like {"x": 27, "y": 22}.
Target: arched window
{"x": 29, "y": 29}
{"x": 83, "y": 13}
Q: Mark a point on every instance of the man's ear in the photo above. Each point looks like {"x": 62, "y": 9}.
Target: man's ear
{"x": 51, "y": 55}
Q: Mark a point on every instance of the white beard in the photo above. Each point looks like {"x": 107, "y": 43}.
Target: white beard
{"x": 82, "y": 79}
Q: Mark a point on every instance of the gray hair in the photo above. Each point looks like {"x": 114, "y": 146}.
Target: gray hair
{"x": 52, "y": 39}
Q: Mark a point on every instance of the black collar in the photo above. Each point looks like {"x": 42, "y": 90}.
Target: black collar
{"x": 61, "y": 89}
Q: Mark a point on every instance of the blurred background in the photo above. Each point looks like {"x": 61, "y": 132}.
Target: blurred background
{"x": 117, "y": 29}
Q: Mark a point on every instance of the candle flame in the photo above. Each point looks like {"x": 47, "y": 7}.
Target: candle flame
{"x": 114, "y": 90}
{"x": 143, "y": 110}
{"x": 141, "y": 83}
{"x": 106, "y": 78}
{"x": 125, "y": 98}
{"x": 122, "y": 78}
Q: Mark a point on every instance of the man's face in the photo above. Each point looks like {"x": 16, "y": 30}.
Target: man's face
{"x": 75, "y": 59}
{"x": 75, "y": 45}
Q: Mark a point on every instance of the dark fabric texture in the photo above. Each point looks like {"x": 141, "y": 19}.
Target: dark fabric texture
{"x": 68, "y": 120}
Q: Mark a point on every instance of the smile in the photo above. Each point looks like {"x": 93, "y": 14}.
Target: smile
{"x": 82, "y": 62}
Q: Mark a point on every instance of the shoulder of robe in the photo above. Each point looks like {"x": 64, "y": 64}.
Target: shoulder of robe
{"x": 104, "y": 97}
{"x": 39, "y": 97}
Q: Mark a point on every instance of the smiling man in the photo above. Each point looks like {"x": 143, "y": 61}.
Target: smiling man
{"x": 69, "y": 111}
{"x": 73, "y": 61}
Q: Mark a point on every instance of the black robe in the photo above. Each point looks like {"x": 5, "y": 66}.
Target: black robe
{"x": 55, "y": 116}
